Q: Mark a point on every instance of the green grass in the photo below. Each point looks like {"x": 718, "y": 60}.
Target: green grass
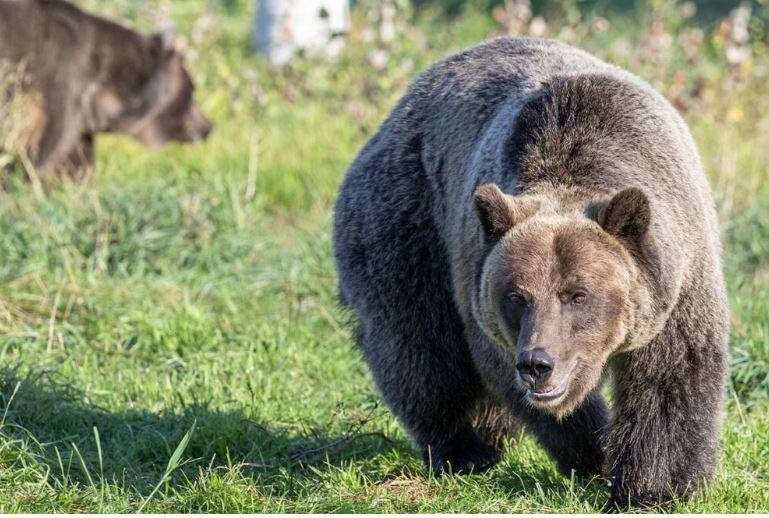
{"x": 169, "y": 334}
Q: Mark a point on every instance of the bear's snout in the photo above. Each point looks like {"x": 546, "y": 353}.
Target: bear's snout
{"x": 534, "y": 367}
{"x": 198, "y": 125}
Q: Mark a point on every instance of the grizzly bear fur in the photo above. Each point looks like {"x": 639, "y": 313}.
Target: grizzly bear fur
{"x": 91, "y": 75}
{"x": 527, "y": 221}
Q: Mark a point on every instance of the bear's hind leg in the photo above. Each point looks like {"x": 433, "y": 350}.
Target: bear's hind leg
{"x": 494, "y": 421}
{"x": 574, "y": 441}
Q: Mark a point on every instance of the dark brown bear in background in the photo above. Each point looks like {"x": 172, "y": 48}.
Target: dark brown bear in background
{"x": 91, "y": 75}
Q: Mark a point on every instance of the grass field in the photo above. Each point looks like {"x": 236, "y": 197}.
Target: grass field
{"x": 169, "y": 335}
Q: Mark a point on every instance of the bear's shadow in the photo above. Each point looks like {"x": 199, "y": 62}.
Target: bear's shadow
{"x": 134, "y": 446}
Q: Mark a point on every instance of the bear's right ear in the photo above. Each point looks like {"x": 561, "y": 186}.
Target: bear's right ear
{"x": 499, "y": 212}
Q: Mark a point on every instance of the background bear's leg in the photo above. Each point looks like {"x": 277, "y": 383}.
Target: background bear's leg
{"x": 664, "y": 441}
{"x": 574, "y": 442}
{"x": 61, "y": 132}
{"x": 79, "y": 162}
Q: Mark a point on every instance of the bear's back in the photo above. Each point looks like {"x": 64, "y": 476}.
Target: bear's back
{"x": 457, "y": 97}
{"x": 461, "y": 124}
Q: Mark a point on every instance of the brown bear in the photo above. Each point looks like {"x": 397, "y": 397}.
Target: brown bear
{"x": 91, "y": 75}
{"x": 528, "y": 221}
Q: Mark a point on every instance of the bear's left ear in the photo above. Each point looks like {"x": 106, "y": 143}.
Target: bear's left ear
{"x": 499, "y": 212}
{"x": 627, "y": 216}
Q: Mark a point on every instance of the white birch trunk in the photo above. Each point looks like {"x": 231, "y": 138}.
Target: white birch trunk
{"x": 283, "y": 27}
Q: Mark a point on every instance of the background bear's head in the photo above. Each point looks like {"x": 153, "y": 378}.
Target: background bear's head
{"x": 560, "y": 289}
{"x": 151, "y": 95}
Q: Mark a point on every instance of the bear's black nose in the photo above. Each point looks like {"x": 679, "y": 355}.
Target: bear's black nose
{"x": 534, "y": 366}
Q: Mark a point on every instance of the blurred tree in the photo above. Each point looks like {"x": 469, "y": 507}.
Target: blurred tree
{"x": 284, "y": 27}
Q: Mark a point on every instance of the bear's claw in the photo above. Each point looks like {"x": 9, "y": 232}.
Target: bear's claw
{"x": 463, "y": 454}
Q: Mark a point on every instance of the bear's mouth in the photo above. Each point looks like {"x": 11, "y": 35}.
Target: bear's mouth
{"x": 549, "y": 395}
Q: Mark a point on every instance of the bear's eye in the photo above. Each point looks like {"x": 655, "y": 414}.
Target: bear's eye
{"x": 513, "y": 308}
{"x": 578, "y": 298}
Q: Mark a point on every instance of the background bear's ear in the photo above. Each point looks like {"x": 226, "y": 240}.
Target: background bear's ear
{"x": 499, "y": 212}
{"x": 627, "y": 216}
{"x": 164, "y": 39}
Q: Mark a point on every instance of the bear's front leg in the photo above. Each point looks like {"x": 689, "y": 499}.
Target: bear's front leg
{"x": 463, "y": 453}
{"x": 664, "y": 442}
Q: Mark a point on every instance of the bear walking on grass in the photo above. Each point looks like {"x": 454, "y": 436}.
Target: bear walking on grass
{"x": 528, "y": 220}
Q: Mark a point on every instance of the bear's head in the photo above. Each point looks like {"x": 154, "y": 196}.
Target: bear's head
{"x": 151, "y": 95}
{"x": 560, "y": 289}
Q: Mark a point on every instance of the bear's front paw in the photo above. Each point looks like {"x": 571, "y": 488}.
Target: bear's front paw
{"x": 464, "y": 453}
